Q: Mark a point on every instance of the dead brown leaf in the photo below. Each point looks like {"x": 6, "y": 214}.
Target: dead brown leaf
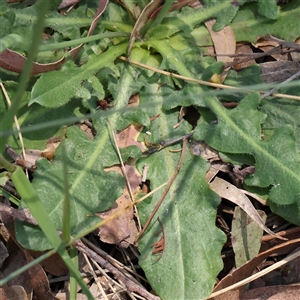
{"x": 265, "y": 44}
{"x": 67, "y": 3}
{"x": 122, "y": 229}
{"x": 247, "y": 270}
{"x": 128, "y": 137}
{"x": 282, "y": 292}
{"x": 14, "y": 292}
{"x": 230, "y": 192}
{"x": 239, "y": 61}
{"x": 224, "y": 43}
{"x": 39, "y": 280}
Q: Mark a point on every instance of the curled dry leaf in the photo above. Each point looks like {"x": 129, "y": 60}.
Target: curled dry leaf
{"x": 228, "y": 191}
{"x": 13, "y": 61}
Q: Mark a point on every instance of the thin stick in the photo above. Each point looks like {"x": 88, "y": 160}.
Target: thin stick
{"x": 17, "y": 124}
{"x": 124, "y": 173}
{"x": 95, "y": 277}
{"x": 165, "y": 192}
{"x": 130, "y": 284}
{"x": 202, "y": 82}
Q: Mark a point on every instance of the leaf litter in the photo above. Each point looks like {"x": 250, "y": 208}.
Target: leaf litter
{"x": 251, "y": 136}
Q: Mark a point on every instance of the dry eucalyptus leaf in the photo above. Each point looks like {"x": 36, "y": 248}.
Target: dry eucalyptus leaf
{"x": 230, "y": 192}
{"x": 224, "y": 43}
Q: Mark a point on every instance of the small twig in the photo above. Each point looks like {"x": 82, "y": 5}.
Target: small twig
{"x": 131, "y": 285}
{"x": 165, "y": 192}
{"x": 95, "y": 277}
{"x": 124, "y": 173}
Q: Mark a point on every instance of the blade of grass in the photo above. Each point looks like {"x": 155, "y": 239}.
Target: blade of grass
{"x": 73, "y": 281}
{"x": 39, "y": 212}
{"x": 82, "y": 40}
{"x": 66, "y": 206}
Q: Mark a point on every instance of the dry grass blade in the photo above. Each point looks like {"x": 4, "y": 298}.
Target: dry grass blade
{"x": 130, "y": 284}
{"x": 95, "y": 277}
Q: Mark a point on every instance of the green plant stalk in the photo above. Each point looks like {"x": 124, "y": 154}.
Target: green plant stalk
{"x": 6, "y": 164}
{"x": 160, "y": 16}
{"x": 66, "y": 206}
{"x": 9, "y": 196}
{"x": 38, "y": 211}
{"x": 7, "y": 122}
{"x": 73, "y": 283}
{"x": 82, "y": 40}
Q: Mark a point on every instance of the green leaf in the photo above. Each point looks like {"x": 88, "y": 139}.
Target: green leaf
{"x": 92, "y": 189}
{"x": 55, "y": 88}
{"x": 281, "y": 112}
{"x": 37, "y": 115}
{"x": 268, "y": 8}
{"x": 186, "y": 20}
{"x": 9, "y": 40}
{"x": 187, "y": 214}
{"x": 225, "y": 17}
{"x": 248, "y": 25}
{"x": 7, "y": 18}
{"x": 245, "y": 77}
{"x": 277, "y": 160}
